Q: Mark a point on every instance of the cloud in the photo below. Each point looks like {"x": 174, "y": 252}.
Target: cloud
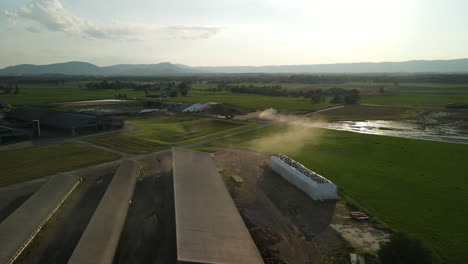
{"x": 53, "y": 16}
{"x": 11, "y": 16}
{"x": 32, "y": 29}
{"x": 193, "y": 32}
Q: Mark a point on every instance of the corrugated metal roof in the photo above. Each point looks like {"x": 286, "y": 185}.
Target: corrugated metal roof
{"x": 21, "y": 226}
{"x": 209, "y": 228}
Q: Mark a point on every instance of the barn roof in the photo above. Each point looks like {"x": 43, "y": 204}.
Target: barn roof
{"x": 209, "y": 228}
{"x": 299, "y": 167}
{"x": 8, "y": 131}
{"x": 56, "y": 119}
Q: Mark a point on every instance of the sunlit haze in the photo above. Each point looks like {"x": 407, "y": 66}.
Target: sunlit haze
{"x": 222, "y": 32}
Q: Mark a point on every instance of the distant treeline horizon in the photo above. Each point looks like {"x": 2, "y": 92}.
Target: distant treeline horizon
{"x": 249, "y": 78}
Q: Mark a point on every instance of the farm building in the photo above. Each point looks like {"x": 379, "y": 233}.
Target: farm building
{"x": 209, "y": 228}
{"x": 19, "y": 228}
{"x": 313, "y": 184}
{"x": 4, "y": 106}
{"x": 66, "y": 121}
{"x": 8, "y": 134}
{"x": 101, "y": 237}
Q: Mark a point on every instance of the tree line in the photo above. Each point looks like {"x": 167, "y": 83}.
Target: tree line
{"x": 58, "y": 79}
{"x": 339, "y": 95}
{"x": 10, "y": 88}
{"x": 117, "y": 85}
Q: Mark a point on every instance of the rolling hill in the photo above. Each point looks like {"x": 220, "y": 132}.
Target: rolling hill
{"x": 169, "y": 69}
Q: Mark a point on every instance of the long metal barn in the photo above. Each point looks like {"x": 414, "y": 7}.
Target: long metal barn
{"x": 101, "y": 237}
{"x": 311, "y": 183}
{"x": 209, "y": 228}
{"x": 24, "y": 223}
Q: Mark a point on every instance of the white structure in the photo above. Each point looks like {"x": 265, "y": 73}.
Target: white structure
{"x": 198, "y": 107}
{"x": 313, "y": 184}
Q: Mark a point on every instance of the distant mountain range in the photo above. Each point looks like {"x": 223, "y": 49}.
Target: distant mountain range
{"x": 169, "y": 69}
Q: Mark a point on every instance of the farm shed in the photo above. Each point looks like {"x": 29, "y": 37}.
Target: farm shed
{"x": 22, "y": 225}
{"x": 209, "y": 229}
{"x": 8, "y": 134}
{"x": 313, "y": 184}
{"x": 101, "y": 237}
{"x": 67, "y": 121}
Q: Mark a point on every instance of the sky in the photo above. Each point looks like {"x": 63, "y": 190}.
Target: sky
{"x": 231, "y": 33}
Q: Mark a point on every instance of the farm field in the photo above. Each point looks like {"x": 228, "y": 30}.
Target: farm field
{"x": 413, "y": 186}
{"x": 158, "y": 133}
{"x": 403, "y": 94}
{"x": 251, "y": 101}
{"x": 125, "y": 143}
{"x": 44, "y": 94}
{"x": 365, "y": 112}
{"x": 422, "y": 100}
{"x": 29, "y": 163}
{"x": 428, "y": 95}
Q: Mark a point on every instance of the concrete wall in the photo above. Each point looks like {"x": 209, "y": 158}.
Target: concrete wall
{"x": 101, "y": 237}
{"x": 22, "y": 225}
{"x": 322, "y": 191}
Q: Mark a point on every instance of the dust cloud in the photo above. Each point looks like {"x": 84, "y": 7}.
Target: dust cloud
{"x": 292, "y": 138}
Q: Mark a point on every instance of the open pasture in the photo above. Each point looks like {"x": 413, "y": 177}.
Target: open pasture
{"x": 29, "y": 163}
{"x": 150, "y": 134}
{"x": 414, "y": 186}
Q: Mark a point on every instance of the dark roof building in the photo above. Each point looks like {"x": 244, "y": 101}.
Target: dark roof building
{"x": 8, "y": 134}
{"x": 73, "y": 122}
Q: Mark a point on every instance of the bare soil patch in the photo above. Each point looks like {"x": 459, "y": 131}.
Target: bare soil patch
{"x": 284, "y": 222}
{"x": 149, "y": 231}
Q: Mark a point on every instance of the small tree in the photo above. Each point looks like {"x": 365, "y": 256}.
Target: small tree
{"x": 183, "y": 88}
{"x": 352, "y": 97}
{"x": 401, "y": 249}
{"x": 382, "y": 89}
{"x": 316, "y": 96}
{"x": 174, "y": 93}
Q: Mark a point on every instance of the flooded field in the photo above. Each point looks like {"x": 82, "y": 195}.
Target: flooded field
{"x": 455, "y": 131}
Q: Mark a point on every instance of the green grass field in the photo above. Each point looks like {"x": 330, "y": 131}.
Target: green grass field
{"x": 44, "y": 94}
{"x": 34, "y": 162}
{"x": 404, "y": 94}
{"x": 429, "y": 95}
{"x": 431, "y": 101}
{"x": 413, "y": 186}
{"x": 158, "y": 133}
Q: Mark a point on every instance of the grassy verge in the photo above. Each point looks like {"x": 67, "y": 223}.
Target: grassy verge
{"x": 30, "y": 163}
{"x": 413, "y": 186}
